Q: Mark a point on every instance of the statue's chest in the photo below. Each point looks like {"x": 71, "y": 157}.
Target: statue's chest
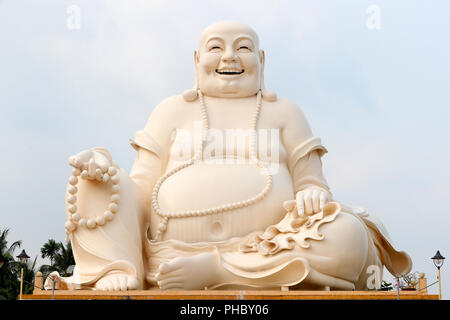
{"x": 226, "y": 143}
{"x": 229, "y": 133}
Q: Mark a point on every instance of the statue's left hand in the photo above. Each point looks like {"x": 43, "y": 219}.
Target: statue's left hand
{"x": 311, "y": 200}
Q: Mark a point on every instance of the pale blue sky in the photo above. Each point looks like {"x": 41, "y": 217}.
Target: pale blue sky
{"x": 379, "y": 99}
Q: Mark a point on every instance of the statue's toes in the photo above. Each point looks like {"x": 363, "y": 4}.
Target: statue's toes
{"x": 132, "y": 283}
{"x": 124, "y": 283}
{"x": 104, "y": 284}
{"x": 121, "y": 283}
{"x": 117, "y": 283}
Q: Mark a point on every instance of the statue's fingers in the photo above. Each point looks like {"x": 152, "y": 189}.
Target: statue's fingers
{"x": 104, "y": 167}
{"x": 323, "y": 200}
{"x": 289, "y": 205}
{"x": 105, "y": 177}
{"x": 307, "y": 198}
{"x": 163, "y": 268}
{"x": 83, "y": 159}
{"x": 167, "y": 275}
{"x": 74, "y": 161}
{"x": 173, "y": 280}
{"x": 102, "y": 162}
{"x": 172, "y": 265}
{"x": 98, "y": 175}
{"x": 84, "y": 174}
{"x": 91, "y": 168}
{"x": 300, "y": 203}
{"x": 315, "y": 200}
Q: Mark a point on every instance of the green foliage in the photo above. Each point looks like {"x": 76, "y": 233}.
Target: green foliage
{"x": 50, "y": 250}
{"x": 61, "y": 259}
{"x": 64, "y": 259}
{"x": 9, "y": 283}
{"x": 60, "y": 255}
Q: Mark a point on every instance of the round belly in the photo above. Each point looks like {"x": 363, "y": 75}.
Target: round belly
{"x": 204, "y": 186}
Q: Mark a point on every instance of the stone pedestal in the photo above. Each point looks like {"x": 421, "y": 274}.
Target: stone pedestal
{"x": 38, "y": 283}
{"x": 230, "y": 295}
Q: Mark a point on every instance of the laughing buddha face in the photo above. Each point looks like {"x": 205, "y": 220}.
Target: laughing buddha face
{"x": 229, "y": 62}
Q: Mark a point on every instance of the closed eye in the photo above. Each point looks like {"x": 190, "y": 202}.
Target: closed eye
{"x": 244, "y": 49}
{"x": 214, "y": 48}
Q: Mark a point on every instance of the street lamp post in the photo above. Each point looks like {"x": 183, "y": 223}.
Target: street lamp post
{"x": 438, "y": 261}
{"x": 23, "y": 258}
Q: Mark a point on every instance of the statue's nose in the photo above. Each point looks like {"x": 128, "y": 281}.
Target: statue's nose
{"x": 229, "y": 56}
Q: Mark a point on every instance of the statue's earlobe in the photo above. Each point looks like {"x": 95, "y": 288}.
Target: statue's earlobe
{"x": 191, "y": 94}
{"x": 266, "y": 95}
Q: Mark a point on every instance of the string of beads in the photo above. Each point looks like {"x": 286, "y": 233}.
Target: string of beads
{"x": 75, "y": 220}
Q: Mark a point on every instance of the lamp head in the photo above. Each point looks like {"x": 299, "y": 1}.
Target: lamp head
{"x": 438, "y": 260}
{"x": 23, "y": 257}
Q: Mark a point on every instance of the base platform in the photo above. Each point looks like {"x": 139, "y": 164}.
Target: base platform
{"x": 227, "y": 295}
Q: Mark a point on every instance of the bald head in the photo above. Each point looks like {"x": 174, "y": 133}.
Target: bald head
{"x": 228, "y": 27}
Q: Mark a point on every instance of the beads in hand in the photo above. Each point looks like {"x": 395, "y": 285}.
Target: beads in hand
{"x": 75, "y": 219}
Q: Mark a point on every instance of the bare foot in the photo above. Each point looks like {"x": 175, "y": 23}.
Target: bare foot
{"x": 190, "y": 273}
{"x": 116, "y": 282}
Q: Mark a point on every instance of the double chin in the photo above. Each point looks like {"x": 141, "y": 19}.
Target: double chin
{"x": 229, "y": 88}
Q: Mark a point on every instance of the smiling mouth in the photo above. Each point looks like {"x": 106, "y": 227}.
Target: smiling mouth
{"x": 229, "y": 72}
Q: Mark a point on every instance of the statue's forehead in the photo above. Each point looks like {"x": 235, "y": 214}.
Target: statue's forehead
{"x": 227, "y": 30}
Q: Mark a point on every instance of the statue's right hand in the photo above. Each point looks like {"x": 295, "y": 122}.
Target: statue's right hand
{"x": 93, "y": 164}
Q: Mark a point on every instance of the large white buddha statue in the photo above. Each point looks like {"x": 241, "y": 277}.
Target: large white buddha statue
{"x": 227, "y": 191}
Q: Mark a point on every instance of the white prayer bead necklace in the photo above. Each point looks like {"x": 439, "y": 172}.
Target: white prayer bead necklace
{"x": 166, "y": 215}
{"x": 75, "y": 219}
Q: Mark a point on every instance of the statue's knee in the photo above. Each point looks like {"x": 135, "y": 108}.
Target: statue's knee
{"x": 349, "y": 233}
{"x": 347, "y": 243}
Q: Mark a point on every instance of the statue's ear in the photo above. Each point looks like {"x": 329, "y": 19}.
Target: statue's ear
{"x": 191, "y": 95}
{"x": 267, "y": 95}
{"x": 196, "y": 57}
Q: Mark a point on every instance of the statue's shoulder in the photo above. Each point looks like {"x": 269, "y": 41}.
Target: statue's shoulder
{"x": 169, "y": 107}
{"x": 286, "y": 109}
{"x": 172, "y": 103}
